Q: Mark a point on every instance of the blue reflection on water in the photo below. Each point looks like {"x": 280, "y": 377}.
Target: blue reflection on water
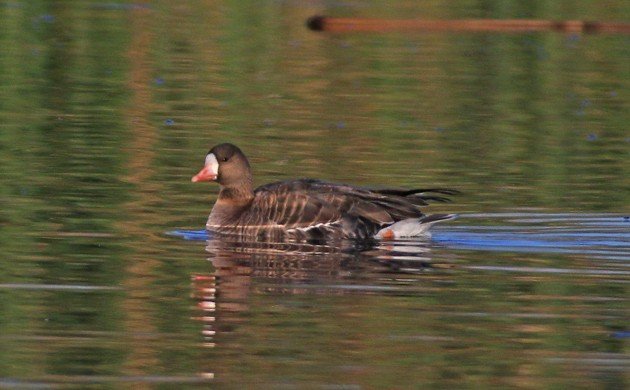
{"x": 191, "y": 235}
{"x": 597, "y": 235}
{"x": 622, "y": 334}
{"x": 515, "y": 239}
{"x": 606, "y": 236}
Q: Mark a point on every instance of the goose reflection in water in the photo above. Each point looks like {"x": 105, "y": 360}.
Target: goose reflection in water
{"x": 241, "y": 267}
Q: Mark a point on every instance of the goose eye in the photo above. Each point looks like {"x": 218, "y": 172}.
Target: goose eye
{"x": 224, "y": 159}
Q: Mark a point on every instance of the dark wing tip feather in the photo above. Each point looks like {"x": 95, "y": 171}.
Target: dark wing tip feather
{"x": 391, "y": 191}
{"x": 443, "y": 191}
{"x": 438, "y": 217}
{"x": 429, "y": 198}
{"x": 421, "y": 196}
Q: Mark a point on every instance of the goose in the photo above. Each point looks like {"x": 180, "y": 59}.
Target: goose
{"x": 310, "y": 210}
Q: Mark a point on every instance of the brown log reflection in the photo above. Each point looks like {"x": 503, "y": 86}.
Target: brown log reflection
{"x": 141, "y": 152}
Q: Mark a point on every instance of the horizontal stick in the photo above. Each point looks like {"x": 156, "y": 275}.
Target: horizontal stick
{"x": 322, "y": 23}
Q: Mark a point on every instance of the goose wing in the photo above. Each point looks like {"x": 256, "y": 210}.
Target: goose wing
{"x": 281, "y": 207}
{"x": 319, "y": 207}
{"x": 380, "y": 205}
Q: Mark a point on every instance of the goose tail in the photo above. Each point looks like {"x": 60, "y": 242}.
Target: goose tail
{"x": 412, "y": 227}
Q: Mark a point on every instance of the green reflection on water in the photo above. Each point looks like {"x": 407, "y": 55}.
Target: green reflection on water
{"x": 107, "y": 110}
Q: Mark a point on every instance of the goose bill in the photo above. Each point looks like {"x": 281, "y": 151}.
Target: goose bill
{"x": 209, "y": 171}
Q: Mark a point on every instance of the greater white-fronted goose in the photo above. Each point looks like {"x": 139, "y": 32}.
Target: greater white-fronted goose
{"x": 308, "y": 209}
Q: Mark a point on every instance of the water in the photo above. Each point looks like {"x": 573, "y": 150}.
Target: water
{"x": 106, "y": 280}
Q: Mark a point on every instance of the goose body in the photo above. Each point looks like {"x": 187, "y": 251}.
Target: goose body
{"x": 308, "y": 209}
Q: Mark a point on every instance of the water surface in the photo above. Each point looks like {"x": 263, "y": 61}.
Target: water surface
{"x": 108, "y": 109}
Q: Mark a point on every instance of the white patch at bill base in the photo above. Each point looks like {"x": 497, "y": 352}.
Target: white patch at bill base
{"x": 211, "y": 161}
